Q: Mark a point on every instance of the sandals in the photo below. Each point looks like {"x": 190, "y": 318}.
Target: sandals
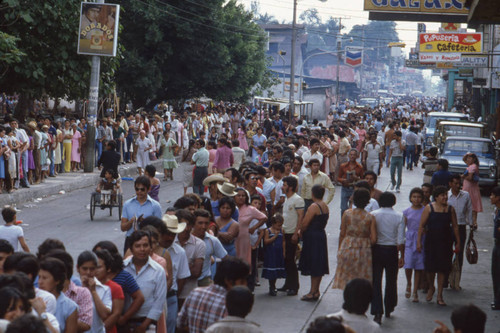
{"x": 415, "y": 298}
{"x": 430, "y": 294}
{"x": 310, "y": 297}
{"x": 408, "y": 292}
{"x": 440, "y": 302}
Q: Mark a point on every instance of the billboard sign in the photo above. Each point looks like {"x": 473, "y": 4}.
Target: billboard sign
{"x": 439, "y": 57}
{"x": 417, "y": 10}
{"x": 414, "y": 63}
{"x": 451, "y": 42}
{"x": 473, "y": 60}
{"x": 98, "y": 29}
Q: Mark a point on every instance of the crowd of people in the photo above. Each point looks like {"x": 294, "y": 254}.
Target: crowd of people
{"x": 261, "y": 189}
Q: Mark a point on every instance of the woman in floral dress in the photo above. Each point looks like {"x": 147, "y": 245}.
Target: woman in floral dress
{"x": 358, "y": 232}
{"x": 168, "y": 146}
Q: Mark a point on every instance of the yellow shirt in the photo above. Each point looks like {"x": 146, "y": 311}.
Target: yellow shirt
{"x": 321, "y": 179}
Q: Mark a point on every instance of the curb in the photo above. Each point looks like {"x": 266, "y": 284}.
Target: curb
{"x": 66, "y": 182}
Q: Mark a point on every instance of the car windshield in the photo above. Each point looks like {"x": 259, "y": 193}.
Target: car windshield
{"x": 462, "y": 147}
{"x": 431, "y": 122}
{"x": 456, "y": 130}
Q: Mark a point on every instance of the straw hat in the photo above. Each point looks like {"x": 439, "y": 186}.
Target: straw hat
{"x": 173, "y": 224}
{"x": 32, "y": 124}
{"x": 227, "y": 189}
{"x": 216, "y": 177}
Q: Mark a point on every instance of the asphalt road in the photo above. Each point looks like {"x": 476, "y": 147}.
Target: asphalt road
{"x": 67, "y": 218}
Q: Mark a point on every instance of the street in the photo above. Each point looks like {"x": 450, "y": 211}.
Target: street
{"x": 66, "y": 217}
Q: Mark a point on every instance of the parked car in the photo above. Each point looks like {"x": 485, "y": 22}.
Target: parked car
{"x": 456, "y": 147}
{"x": 447, "y": 128}
{"x": 432, "y": 119}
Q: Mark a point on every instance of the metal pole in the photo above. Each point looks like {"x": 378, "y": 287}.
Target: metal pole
{"x": 339, "y": 46}
{"x": 92, "y": 112}
{"x": 292, "y": 61}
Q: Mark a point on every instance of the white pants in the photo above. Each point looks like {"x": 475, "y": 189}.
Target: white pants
{"x": 372, "y": 164}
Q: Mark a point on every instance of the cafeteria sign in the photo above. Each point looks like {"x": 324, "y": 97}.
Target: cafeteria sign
{"x": 451, "y": 42}
{"x": 417, "y": 10}
{"x": 98, "y": 29}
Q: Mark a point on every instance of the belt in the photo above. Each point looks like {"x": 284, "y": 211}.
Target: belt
{"x": 386, "y": 246}
{"x": 171, "y": 293}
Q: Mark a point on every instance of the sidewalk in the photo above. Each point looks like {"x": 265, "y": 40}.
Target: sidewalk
{"x": 66, "y": 182}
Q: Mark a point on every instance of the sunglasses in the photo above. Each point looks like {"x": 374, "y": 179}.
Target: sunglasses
{"x": 140, "y": 189}
{"x": 253, "y": 178}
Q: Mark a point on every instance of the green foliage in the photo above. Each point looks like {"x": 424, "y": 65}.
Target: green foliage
{"x": 321, "y": 35}
{"x": 9, "y": 53}
{"x": 46, "y": 33}
{"x": 183, "y": 49}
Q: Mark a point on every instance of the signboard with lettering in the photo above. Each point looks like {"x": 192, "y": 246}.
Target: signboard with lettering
{"x": 98, "y": 33}
{"x": 415, "y": 10}
{"x": 451, "y": 42}
{"x": 439, "y": 57}
{"x": 414, "y": 63}
{"x": 473, "y": 60}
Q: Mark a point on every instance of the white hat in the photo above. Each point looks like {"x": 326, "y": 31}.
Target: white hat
{"x": 173, "y": 224}
{"x": 216, "y": 177}
{"x": 227, "y": 189}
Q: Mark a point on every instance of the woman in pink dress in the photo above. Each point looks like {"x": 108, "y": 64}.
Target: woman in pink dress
{"x": 362, "y": 135}
{"x": 75, "y": 148}
{"x": 471, "y": 185}
{"x": 247, "y": 213}
{"x": 242, "y": 137}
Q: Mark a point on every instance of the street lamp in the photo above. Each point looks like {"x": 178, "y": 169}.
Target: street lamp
{"x": 281, "y": 53}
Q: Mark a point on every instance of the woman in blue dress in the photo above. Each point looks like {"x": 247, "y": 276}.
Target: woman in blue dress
{"x": 228, "y": 229}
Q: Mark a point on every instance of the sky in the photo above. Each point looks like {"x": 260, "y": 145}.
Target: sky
{"x": 351, "y": 12}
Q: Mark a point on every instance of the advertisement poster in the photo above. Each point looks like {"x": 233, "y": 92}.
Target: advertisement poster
{"x": 98, "y": 29}
{"x": 451, "y": 42}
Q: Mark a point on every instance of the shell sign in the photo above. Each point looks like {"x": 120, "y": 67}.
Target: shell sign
{"x": 451, "y": 42}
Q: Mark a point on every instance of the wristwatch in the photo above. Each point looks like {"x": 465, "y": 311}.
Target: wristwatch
{"x": 44, "y": 316}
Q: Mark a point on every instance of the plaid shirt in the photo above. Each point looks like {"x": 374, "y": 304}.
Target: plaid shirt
{"x": 202, "y": 308}
{"x": 83, "y": 298}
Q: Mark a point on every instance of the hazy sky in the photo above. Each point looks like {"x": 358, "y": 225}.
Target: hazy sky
{"x": 351, "y": 12}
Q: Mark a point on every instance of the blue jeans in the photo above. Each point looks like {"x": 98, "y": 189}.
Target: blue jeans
{"x": 98, "y": 149}
{"x": 172, "y": 309}
{"x": 345, "y": 193}
{"x": 410, "y": 156}
{"x": 52, "y": 166}
{"x": 387, "y": 150}
{"x": 396, "y": 164}
{"x": 129, "y": 140}
{"x": 24, "y": 159}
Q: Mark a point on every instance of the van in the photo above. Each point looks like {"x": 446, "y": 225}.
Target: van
{"x": 447, "y": 128}
{"x": 432, "y": 120}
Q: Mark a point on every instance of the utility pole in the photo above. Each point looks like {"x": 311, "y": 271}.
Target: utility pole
{"x": 92, "y": 112}
{"x": 291, "y": 108}
{"x": 339, "y": 57}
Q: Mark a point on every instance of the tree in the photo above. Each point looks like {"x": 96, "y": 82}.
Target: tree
{"x": 9, "y": 53}
{"x": 320, "y": 35}
{"x": 47, "y": 33}
{"x": 188, "y": 49}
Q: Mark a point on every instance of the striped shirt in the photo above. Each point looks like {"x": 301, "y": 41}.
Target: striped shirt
{"x": 127, "y": 282}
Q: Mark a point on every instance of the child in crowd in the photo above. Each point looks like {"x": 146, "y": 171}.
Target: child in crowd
{"x": 109, "y": 185}
{"x": 12, "y": 233}
{"x": 274, "y": 253}
{"x": 256, "y": 237}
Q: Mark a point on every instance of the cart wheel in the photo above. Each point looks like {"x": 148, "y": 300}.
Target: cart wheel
{"x": 120, "y": 206}
{"x": 92, "y": 206}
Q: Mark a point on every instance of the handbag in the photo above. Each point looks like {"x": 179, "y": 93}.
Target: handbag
{"x": 455, "y": 274}
{"x": 471, "y": 250}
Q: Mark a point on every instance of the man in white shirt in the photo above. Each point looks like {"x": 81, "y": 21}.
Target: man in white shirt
{"x": 390, "y": 241}
{"x": 213, "y": 246}
{"x": 150, "y": 277}
{"x": 372, "y": 154}
{"x": 299, "y": 171}
{"x": 313, "y": 153}
{"x": 357, "y": 297}
{"x": 238, "y": 154}
{"x": 22, "y": 152}
{"x": 293, "y": 212}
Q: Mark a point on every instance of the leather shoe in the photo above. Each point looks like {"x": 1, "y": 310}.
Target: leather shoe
{"x": 291, "y": 292}
{"x": 378, "y": 319}
{"x": 272, "y": 292}
{"x": 284, "y": 288}
{"x": 495, "y": 306}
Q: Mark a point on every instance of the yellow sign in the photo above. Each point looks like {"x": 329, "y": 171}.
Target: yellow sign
{"x": 98, "y": 29}
{"x": 451, "y": 42}
{"x": 418, "y": 6}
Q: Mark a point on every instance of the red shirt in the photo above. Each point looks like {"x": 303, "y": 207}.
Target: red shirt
{"x": 116, "y": 293}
